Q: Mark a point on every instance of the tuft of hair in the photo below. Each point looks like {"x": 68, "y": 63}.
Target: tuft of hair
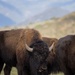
{"x": 28, "y": 36}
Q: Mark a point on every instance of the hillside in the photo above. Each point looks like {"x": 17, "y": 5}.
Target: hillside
{"x": 57, "y": 27}
{"x": 53, "y": 28}
{"x": 67, "y": 19}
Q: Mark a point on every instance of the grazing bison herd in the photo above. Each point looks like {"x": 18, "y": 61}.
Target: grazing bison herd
{"x": 33, "y": 54}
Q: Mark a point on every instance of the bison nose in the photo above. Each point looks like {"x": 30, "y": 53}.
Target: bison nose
{"x": 42, "y": 69}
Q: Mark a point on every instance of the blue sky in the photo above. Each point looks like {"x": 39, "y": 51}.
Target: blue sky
{"x": 20, "y": 10}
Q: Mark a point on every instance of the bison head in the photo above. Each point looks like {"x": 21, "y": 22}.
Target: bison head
{"x": 38, "y": 53}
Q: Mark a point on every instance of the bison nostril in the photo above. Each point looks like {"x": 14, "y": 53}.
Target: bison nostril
{"x": 40, "y": 70}
{"x": 44, "y": 68}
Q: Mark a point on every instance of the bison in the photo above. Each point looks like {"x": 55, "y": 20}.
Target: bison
{"x": 51, "y": 56}
{"x": 23, "y": 49}
{"x": 64, "y": 56}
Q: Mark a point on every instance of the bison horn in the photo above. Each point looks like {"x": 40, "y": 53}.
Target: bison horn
{"x": 51, "y": 47}
{"x": 28, "y": 48}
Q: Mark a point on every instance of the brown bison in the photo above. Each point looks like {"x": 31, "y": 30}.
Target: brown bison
{"x": 65, "y": 53}
{"x": 64, "y": 57}
{"x": 23, "y": 49}
{"x": 51, "y": 55}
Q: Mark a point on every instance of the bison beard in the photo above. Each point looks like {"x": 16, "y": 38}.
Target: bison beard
{"x": 13, "y": 51}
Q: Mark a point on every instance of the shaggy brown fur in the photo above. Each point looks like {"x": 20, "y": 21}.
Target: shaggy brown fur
{"x": 51, "y": 55}
{"x": 64, "y": 60}
{"x": 49, "y": 42}
{"x": 13, "y": 51}
{"x": 65, "y": 54}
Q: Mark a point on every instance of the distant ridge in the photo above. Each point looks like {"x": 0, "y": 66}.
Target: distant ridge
{"x": 49, "y": 13}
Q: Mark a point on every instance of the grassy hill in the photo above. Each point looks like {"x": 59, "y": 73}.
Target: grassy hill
{"x": 57, "y": 27}
{"x": 54, "y": 30}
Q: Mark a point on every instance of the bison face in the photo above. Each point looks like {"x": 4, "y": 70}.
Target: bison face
{"x": 43, "y": 69}
{"x": 38, "y": 53}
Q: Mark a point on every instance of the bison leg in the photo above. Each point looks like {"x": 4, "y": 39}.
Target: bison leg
{"x": 7, "y": 69}
{"x": 63, "y": 68}
{"x": 1, "y": 66}
{"x": 19, "y": 69}
{"x": 22, "y": 71}
{"x": 25, "y": 73}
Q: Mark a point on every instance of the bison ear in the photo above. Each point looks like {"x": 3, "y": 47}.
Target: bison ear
{"x": 28, "y": 48}
{"x": 51, "y": 47}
